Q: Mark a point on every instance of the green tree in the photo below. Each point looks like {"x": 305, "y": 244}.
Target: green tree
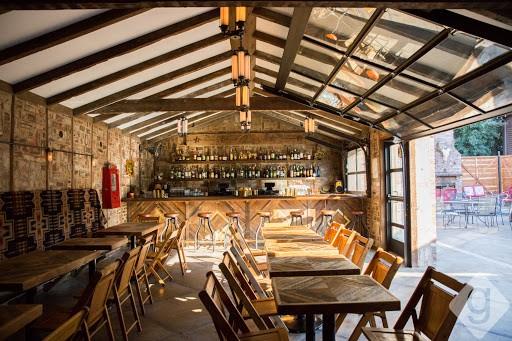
{"x": 481, "y": 138}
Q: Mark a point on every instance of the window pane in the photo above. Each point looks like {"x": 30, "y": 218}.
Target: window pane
{"x": 357, "y": 76}
{"x": 337, "y": 26}
{"x": 361, "y": 161}
{"x": 398, "y": 234}
{"x": 494, "y": 89}
{"x": 370, "y": 110}
{"x": 352, "y": 182}
{"x": 397, "y": 187}
{"x": 397, "y": 212}
{"x": 301, "y": 85}
{"x": 361, "y": 182}
{"x": 400, "y": 91}
{"x": 335, "y": 98}
{"x": 403, "y": 125}
{"x": 442, "y": 110}
{"x": 315, "y": 61}
{"x": 395, "y": 156}
{"x": 395, "y": 37}
{"x": 351, "y": 161}
{"x": 453, "y": 57}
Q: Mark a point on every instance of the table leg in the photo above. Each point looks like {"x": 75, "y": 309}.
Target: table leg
{"x": 132, "y": 242}
{"x": 310, "y": 327}
{"x": 328, "y": 330}
{"x": 92, "y": 268}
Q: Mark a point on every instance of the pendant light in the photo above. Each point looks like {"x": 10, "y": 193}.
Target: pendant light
{"x": 240, "y": 18}
{"x": 182, "y": 126}
{"x": 309, "y": 125}
{"x": 245, "y": 120}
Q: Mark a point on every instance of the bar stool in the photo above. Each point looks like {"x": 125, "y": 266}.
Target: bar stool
{"x": 170, "y": 218}
{"x": 234, "y": 218}
{"x": 205, "y": 221}
{"x": 148, "y": 218}
{"x": 358, "y": 223}
{"x": 264, "y": 218}
{"x": 327, "y": 217}
{"x": 295, "y": 216}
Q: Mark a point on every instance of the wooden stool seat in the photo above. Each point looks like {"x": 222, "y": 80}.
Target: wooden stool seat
{"x": 296, "y": 213}
{"x": 171, "y": 215}
{"x": 233, "y": 214}
{"x": 357, "y": 212}
{"x": 263, "y": 213}
{"x": 146, "y": 218}
{"x": 328, "y": 212}
{"x": 207, "y": 215}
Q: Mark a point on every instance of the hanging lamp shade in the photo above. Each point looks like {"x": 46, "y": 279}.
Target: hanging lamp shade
{"x": 234, "y": 67}
{"x": 240, "y": 15}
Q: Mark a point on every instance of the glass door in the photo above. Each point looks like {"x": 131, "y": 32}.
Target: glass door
{"x": 395, "y": 204}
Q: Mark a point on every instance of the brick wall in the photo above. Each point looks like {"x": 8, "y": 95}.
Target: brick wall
{"x": 80, "y": 148}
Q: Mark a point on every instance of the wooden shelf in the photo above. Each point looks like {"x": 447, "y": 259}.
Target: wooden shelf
{"x": 252, "y": 179}
{"x": 228, "y": 162}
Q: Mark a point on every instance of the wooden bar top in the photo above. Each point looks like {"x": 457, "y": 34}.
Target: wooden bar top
{"x": 257, "y": 197}
{"x": 101, "y": 243}
{"x": 311, "y": 265}
{"x": 16, "y": 316}
{"x": 32, "y": 269}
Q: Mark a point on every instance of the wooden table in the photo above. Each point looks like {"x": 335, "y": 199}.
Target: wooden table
{"x": 330, "y": 295}
{"x": 26, "y": 272}
{"x": 102, "y": 243}
{"x": 299, "y": 248}
{"x": 16, "y": 316}
{"x": 290, "y": 236}
{"x": 311, "y": 265}
{"x": 131, "y": 230}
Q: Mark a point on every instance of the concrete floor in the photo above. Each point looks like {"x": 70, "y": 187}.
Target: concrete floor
{"x": 477, "y": 254}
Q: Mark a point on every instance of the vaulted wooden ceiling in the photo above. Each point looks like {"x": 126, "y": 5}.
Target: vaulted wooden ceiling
{"x": 410, "y": 72}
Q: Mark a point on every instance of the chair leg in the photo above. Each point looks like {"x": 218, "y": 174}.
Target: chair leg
{"x": 321, "y": 224}
{"x": 301, "y": 221}
{"x": 358, "y": 329}
{"x": 182, "y": 260}
{"x": 139, "y": 294}
{"x": 134, "y": 309}
{"x": 109, "y": 326}
{"x": 258, "y": 230}
{"x": 120, "y": 314}
{"x": 146, "y": 281}
{"x": 339, "y": 320}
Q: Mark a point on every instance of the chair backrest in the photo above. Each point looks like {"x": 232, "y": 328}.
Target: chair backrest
{"x": 182, "y": 232}
{"x": 344, "y": 239}
{"x": 383, "y": 267}
{"x": 331, "y": 232}
{"x": 143, "y": 253}
{"x": 146, "y": 218}
{"x": 235, "y": 233}
{"x": 242, "y": 265}
{"x": 479, "y": 190}
{"x": 68, "y": 329}
{"x": 125, "y": 273}
{"x": 469, "y": 191}
{"x": 442, "y": 299}
{"x": 229, "y": 263}
{"x": 359, "y": 249}
{"x": 222, "y": 309}
{"x": 247, "y": 255}
{"x": 449, "y": 194}
{"x": 98, "y": 291}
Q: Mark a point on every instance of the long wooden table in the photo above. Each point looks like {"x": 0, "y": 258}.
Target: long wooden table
{"x": 16, "y": 316}
{"x": 290, "y": 235}
{"x": 310, "y": 265}
{"x": 299, "y": 248}
{"x": 330, "y": 295}
{"x": 26, "y": 272}
{"x": 102, "y": 243}
{"x": 131, "y": 230}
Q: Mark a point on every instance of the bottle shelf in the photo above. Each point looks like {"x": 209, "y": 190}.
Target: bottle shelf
{"x": 231, "y": 162}
{"x": 249, "y": 179}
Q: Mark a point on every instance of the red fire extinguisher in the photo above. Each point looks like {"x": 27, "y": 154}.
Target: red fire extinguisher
{"x": 110, "y": 190}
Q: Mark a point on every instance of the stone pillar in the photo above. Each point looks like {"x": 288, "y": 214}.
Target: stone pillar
{"x": 423, "y": 201}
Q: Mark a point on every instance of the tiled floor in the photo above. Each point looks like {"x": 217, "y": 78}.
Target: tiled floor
{"x": 480, "y": 255}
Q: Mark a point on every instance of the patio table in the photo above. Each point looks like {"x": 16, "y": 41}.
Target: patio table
{"x": 467, "y": 204}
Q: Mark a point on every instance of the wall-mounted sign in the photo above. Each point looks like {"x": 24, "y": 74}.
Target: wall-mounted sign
{"x": 129, "y": 167}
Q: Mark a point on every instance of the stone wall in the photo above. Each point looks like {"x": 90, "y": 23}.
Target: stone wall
{"x": 80, "y": 148}
{"x": 448, "y": 161}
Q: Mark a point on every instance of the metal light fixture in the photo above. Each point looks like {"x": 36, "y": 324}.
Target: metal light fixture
{"x": 240, "y": 67}
{"x": 182, "y": 126}
{"x": 245, "y": 120}
{"x": 240, "y": 18}
{"x": 309, "y": 125}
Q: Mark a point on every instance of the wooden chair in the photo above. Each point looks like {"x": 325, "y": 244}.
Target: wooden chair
{"x": 95, "y": 298}
{"x": 256, "y": 267}
{"x": 123, "y": 291}
{"x": 438, "y": 312}
{"x": 179, "y": 246}
{"x": 156, "y": 260}
{"x": 382, "y": 268}
{"x": 140, "y": 274}
{"x": 260, "y": 309}
{"x": 343, "y": 240}
{"x": 227, "y": 319}
{"x": 69, "y": 329}
{"x": 359, "y": 249}
{"x": 331, "y": 231}
{"x": 237, "y": 235}
{"x": 260, "y": 285}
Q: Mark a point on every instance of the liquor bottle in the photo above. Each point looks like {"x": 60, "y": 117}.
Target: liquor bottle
{"x": 318, "y": 171}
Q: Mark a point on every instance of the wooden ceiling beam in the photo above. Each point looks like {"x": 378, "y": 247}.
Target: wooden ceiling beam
{"x": 116, "y": 51}
{"x": 115, "y": 97}
{"x": 94, "y": 84}
{"x": 296, "y": 30}
{"x": 204, "y": 104}
{"x": 61, "y": 35}
{"x": 407, "y": 4}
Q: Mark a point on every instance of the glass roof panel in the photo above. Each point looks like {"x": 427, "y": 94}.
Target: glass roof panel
{"x": 337, "y": 26}
{"x": 302, "y": 85}
{"x": 453, "y": 57}
{"x": 299, "y": 91}
{"x": 370, "y": 110}
{"x": 395, "y": 37}
{"x": 403, "y": 125}
{"x": 494, "y": 89}
{"x": 315, "y": 61}
{"x": 335, "y": 98}
{"x": 400, "y": 91}
{"x": 442, "y": 110}
{"x": 357, "y": 77}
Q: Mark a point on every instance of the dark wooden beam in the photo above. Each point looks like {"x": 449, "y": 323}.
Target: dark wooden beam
{"x": 83, "y": 4}
{"x": 295, "y": 32}
{"x": 66, "y": 33}
{"x": 180, "y": 52}
{"x": 115, "y": 97}
{"x": 325, "y": 143}
{"x": 203, "y": 104}
{"x": 465, "y": 24}
{"x": 116, "y": 51}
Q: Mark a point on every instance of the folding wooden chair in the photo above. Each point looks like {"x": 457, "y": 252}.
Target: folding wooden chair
{"x": 235, "y": 234}
{"x": 69, "y": 329}
{"x": 179, "y": 246}
{"x": 140, "y": 274}
{"x": 261, "y": 286}
{"x": 381, "y": 268}
{"x": 440, "y": 308}
{"x": 359, "y": 249}
{"x": 156, "y": 260}
{"x": 123, "y": 291}
{"x": 227, "y": 319}
{"x": 257, "y": 267}
{"x": 343, "y": 240}
{"x": 331, "y": 231}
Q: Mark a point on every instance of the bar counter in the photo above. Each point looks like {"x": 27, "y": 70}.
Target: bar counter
{"x": 280, "y": 206}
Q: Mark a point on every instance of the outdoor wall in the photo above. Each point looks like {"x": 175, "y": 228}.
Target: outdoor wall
{"x": 484, "y": 170}
{"x": 423, "y": 201}
{"x": 28, "y": 128}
